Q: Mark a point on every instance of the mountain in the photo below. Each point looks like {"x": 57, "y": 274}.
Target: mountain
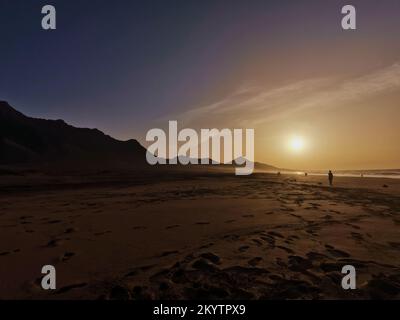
{"x": 25, "y": 140}
{"x": 30, "y": 141}
{"x": 257, "y": 165}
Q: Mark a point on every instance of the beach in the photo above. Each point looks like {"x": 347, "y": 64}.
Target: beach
{"x": 198, "y": 234}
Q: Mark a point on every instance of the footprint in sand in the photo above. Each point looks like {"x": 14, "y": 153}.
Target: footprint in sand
{"x": 6, "y": 253}
{"x": 211, "y": 257}
{"x": 270, "y": 240}
{"x": 357, "y": 236}
{"x": 281, "y": 263}
{"x": 297, "y": 216}
{"x": 168, "y": 253}
{"x": 35, "y": 284}
{"x": 353, "y": 226}
{"x": 172, "y": 227}
{"x": 71, "y": 287}
{"x": 358, "y": 264}
{"x": 203, "y": 264}
{"x": 102, "y": 233}
{"x": 312, "y": 232}
{"x": 297, "y": 263}
{"x": 309, "y": 208}
{"x": 316, "y": 256}
{"x": 275, "y": 234}
{"x": 139, "y": 228}
{"x": 54, "y": 221}
{"x": 202, "y": 223}
{"x": 67, "y": 256}
{"x": 25, "y": 217}
{"x": 248, "y": 216}
{"x": 315, "y": 204}
{"x": 255, "y": 261}
{"x": 229, "y": 221}
{"x": 285, "y": 249}
{"x": 70, "y": 230}
{"x": 337, "y": 253}
{"x": 53, "y": 243}
{"x": 131, "y": 274}
{"x": 231, "y": 237}
{"x": 257, "y": 242}
{"x": 206, "y": 246}
{"x": 243, "y": 248}
{"x": 334, "y": 276}
{"x": 395, "y": 245}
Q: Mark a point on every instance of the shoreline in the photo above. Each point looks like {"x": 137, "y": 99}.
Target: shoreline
{"x": 345, "y": 175}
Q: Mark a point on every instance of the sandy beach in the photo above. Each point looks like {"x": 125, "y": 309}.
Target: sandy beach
{"x": 198, "y": 235}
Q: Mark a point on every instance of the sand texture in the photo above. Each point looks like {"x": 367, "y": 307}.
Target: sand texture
{"x": 198, "y": 235}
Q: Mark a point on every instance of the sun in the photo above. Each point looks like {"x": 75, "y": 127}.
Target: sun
{"x": 296, "y": 143}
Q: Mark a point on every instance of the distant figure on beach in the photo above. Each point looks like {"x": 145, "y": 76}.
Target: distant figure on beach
{"x": 330, "y": 176}
{"x": 305, "y": 174}
{"x": 279, "y": 173}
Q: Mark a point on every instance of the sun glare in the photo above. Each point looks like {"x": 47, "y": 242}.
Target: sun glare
{"x": 296, "y": 144}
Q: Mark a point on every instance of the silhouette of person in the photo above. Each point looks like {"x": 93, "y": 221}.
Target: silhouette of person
{"x": 330, "y": 176}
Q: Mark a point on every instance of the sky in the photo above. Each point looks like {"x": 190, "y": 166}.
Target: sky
{"x": 285, "y": 68}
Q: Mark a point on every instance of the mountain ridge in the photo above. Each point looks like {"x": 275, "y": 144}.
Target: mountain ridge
{"x": 35, "y": 141}
{"x": 31, "y": 140}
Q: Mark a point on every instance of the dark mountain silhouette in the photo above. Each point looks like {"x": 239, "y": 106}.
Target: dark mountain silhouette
{"x": 54, "y": 143}
{"x": 257, "y": 165}
{"x": 25, "y": 140}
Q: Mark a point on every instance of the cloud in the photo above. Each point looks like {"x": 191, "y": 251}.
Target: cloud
{"x": 252, "y": 106}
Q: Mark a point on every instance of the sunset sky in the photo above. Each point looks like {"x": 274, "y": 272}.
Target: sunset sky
{"x": 317, "y": 96}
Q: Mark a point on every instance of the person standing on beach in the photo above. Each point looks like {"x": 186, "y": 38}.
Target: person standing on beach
{"x": 330, "y": 176}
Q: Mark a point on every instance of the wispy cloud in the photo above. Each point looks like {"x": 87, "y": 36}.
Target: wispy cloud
{"x": 252, "y": 106}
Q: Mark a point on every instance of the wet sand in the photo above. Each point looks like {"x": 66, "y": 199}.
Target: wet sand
{"x": 198, "y": 235}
